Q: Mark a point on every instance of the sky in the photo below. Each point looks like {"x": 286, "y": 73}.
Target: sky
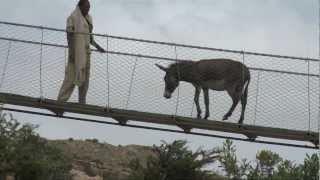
{"x": 286, "y": 27}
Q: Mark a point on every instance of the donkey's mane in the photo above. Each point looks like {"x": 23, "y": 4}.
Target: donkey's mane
{"x": 182, "y": 63}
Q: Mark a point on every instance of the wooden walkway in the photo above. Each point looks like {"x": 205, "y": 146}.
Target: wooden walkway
{"x": 187, "y": 124}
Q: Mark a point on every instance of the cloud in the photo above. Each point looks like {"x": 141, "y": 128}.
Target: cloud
{"x": 280, "y": 27}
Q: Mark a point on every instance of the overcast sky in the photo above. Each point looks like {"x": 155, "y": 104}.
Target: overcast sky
{"x": 288, "y": 27}
{"x": 279, "y": 27}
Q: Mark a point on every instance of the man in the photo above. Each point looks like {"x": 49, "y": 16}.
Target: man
{"x": 79, "y": 25}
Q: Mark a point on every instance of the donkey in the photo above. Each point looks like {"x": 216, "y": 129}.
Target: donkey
{"x": 216, "y": 74}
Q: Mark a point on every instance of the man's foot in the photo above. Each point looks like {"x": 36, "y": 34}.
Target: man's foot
{"x": 251, "y": 137}
{"x": 57, "y": 112}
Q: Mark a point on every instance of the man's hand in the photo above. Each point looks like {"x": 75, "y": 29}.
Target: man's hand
{"x": 96, "y": 45}
{"x": 100, "y": 49}
{"x": 71, "y": 57}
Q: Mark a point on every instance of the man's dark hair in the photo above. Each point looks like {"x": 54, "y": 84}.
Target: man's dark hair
{"x": 82, "y": 2}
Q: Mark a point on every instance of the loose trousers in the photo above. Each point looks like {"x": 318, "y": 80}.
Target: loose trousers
{"x": 68, "y": 83}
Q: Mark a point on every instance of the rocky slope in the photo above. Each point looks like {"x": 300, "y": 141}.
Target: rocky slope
{"x": 96, "y": 161}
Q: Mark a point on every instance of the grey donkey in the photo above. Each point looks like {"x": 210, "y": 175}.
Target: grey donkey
{"x": 216, "y": 74}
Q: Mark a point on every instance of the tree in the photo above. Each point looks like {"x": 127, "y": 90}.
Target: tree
{"x": 310, "y": 167}
{"x": 268, "y": 166}
{"x": 267, "y": 162}
{"x": 175, "y": 162}
{"x": 234, "y": 168}
{"x": 287, "y": 170}
{"x": 228, "y": 159}
{"x": 27, "y": 155}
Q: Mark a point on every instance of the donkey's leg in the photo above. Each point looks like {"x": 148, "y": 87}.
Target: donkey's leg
{"x": 206, "y": 101}
{"x": 196, "y": 100}
{"x": 244, "y": 98}
{"x": 235, "y": 94}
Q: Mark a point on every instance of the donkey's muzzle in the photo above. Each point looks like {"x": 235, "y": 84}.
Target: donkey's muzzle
{"x": 167, "y": 95}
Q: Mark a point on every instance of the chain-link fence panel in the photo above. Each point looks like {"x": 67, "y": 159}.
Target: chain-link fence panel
{"x": 283, "y": 91}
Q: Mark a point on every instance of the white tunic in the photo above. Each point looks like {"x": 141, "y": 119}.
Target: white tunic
{"x": 80, "y": 45}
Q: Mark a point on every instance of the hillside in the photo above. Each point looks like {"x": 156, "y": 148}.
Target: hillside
{"x": 102, "y": 159}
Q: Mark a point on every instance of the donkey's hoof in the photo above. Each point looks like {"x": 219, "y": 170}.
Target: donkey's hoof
{"x": 242, "y": 127}
{"x": 251, "y": 136}
{"x": 225, "y": 118}
{"x": 241, "y": 120}
{"x": 57, "y": 112}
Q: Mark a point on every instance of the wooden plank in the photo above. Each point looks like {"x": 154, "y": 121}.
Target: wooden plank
{"x": 183, "y": 122}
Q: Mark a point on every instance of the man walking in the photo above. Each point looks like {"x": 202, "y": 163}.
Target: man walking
{"x": 79, "y": 27}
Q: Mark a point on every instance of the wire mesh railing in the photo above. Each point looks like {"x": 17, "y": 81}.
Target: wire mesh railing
{"x": 283, "y": 92}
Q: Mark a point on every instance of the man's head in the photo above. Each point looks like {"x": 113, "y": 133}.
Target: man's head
{"x": 84, "y": 6}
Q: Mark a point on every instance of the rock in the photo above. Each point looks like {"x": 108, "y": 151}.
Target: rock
{"x": 79, "y": 175}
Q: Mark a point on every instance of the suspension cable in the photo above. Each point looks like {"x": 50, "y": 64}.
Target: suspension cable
{"x": 40, "y": 68}
{"x": 308, "y": 88}
{"x": 257, "y": 96}
{"x": 179, "y": 78}
{"x": 157, "y": 57}
{"x": 243, "y": 62}
{"x": 4, "y": 72}
{"x": 5, "y": 65}
{"x": 108, "y": 77}
{"x": 193, "y": 103}
{"x": 131, "y": 81}
{"x": 319, "y": 67}
{"x": 163, "y": 43}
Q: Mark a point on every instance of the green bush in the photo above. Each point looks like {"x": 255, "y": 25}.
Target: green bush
{"x": 27, "y": 155}
{"x": 177, "y": 162}
{"x": 174, "y": 162}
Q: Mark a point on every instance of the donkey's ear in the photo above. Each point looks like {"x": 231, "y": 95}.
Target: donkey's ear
{"x": 162, "y": 68}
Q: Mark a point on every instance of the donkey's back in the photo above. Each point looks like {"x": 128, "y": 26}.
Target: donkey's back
{"x": 219, "y": 74}
{"x": 222, "y": 71}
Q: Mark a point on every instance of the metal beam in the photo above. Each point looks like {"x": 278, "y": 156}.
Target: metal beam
{"x": 162, "y": 129}
{"x": 183, "y": 122}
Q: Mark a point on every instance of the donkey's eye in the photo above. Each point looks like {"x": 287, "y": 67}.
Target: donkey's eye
{"x": 166, "y": 79}
{"x": 173, "y": 79}
{"x": 170, "y": 87}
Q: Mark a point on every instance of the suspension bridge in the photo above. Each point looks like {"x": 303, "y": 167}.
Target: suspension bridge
{"x": 125, "y": 85}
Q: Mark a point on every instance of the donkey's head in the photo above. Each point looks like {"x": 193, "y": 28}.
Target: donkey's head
{"x": 171, "y": 79}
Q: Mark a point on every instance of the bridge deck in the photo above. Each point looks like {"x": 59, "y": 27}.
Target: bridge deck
{"x": 187, "y": 124}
